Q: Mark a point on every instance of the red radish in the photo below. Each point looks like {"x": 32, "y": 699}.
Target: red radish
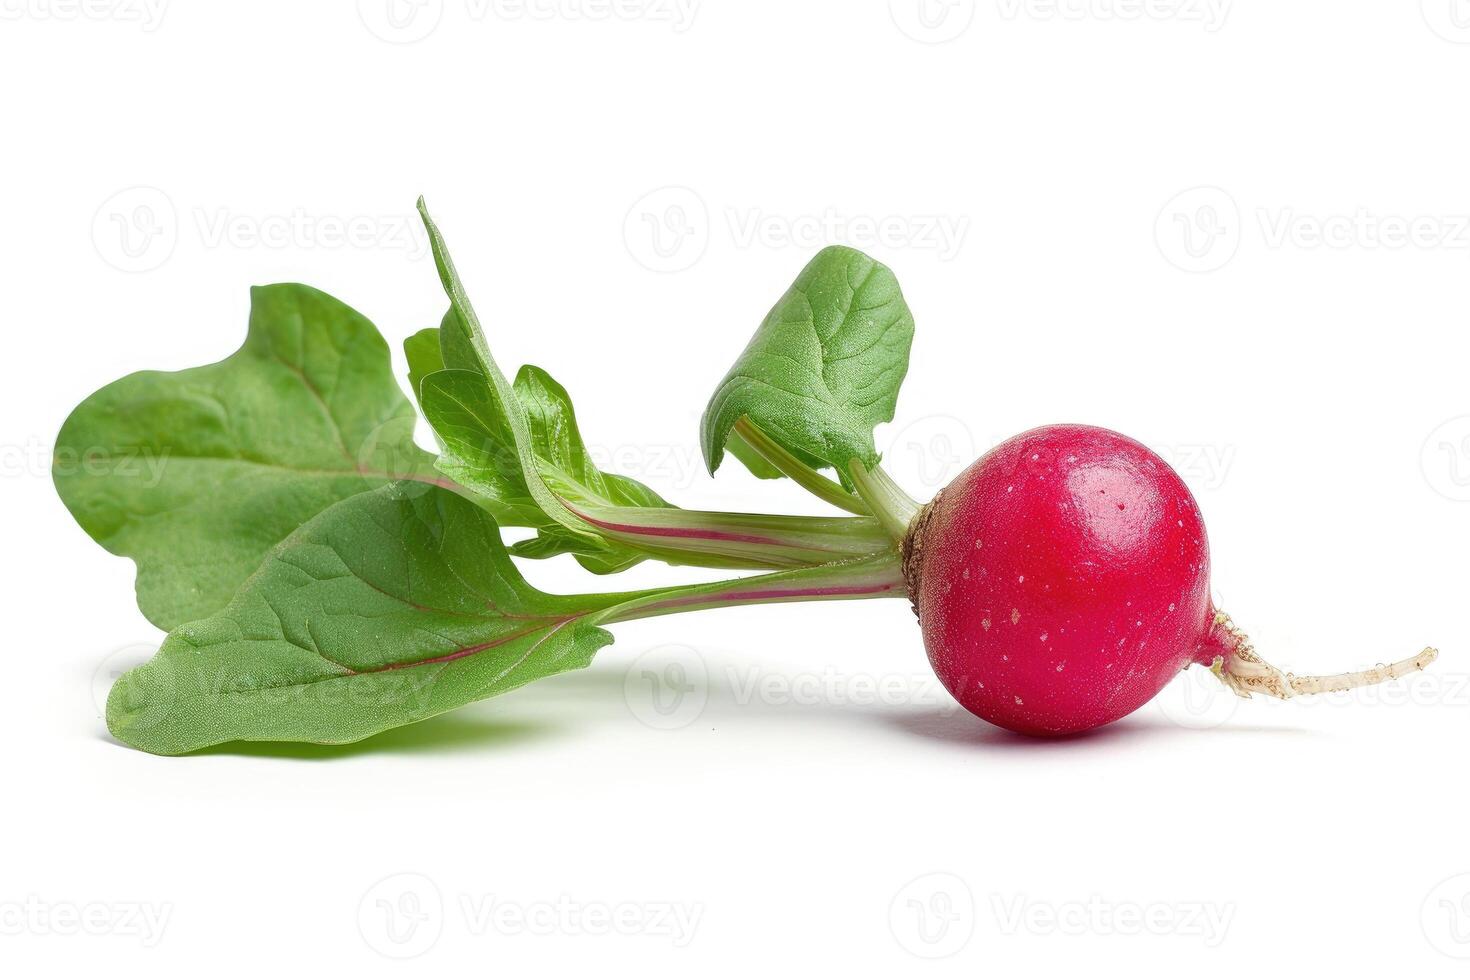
{"x": 1063, "y": 579}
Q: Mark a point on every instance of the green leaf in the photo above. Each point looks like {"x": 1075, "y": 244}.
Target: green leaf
{"x": 385, "y": 609}
{"x": 478, "y": 454}
{"x": 823, "y": 369}
{"x": 196, "y": 474}
{"x": 478, "y": 449}
{"x": 556, "y": 439}
{"x": 424, "y": 357}
{"x": 464, "y": 347}
{"x": 517, "y": 446}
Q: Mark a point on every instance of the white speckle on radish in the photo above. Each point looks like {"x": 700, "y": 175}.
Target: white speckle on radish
{"x": 1020, "y": 579}
{"x": 1171, "y": 607}
{"x": 985, "y": 623}
{"x": 977, "y": 542}
{"x": 965, "y": 574}
{"x": 1018, "y": 699}
{"x": 1015, "y": 616}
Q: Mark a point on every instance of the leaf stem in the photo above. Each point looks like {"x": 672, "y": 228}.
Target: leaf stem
{"x": 750, "y": 540}
{"x": 875, "y": 577}
{"x": 806, "y": 477}
{"x": 894, "y": 509}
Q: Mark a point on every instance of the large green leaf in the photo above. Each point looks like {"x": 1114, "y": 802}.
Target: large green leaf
{"x": 196, "y": 474}
{"x": 824, "y": 368}
{"x": 385, "y": 609}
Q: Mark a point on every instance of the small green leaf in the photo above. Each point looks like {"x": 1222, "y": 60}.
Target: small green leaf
{"x": 385, "y": 609}
{"x": 824, "y": 368}
{"x": 479, "y": 454}
{"x": 196, "y": 474}
{"x": 424, "y": 357}
{"x": 557, "y": 440}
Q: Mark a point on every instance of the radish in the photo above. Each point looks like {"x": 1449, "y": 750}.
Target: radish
{"x": 324, "y": 579}
{"x": 1063, "y": 579}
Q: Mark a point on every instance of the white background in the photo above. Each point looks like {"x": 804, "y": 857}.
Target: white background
{"x": 1239, "y": 232}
